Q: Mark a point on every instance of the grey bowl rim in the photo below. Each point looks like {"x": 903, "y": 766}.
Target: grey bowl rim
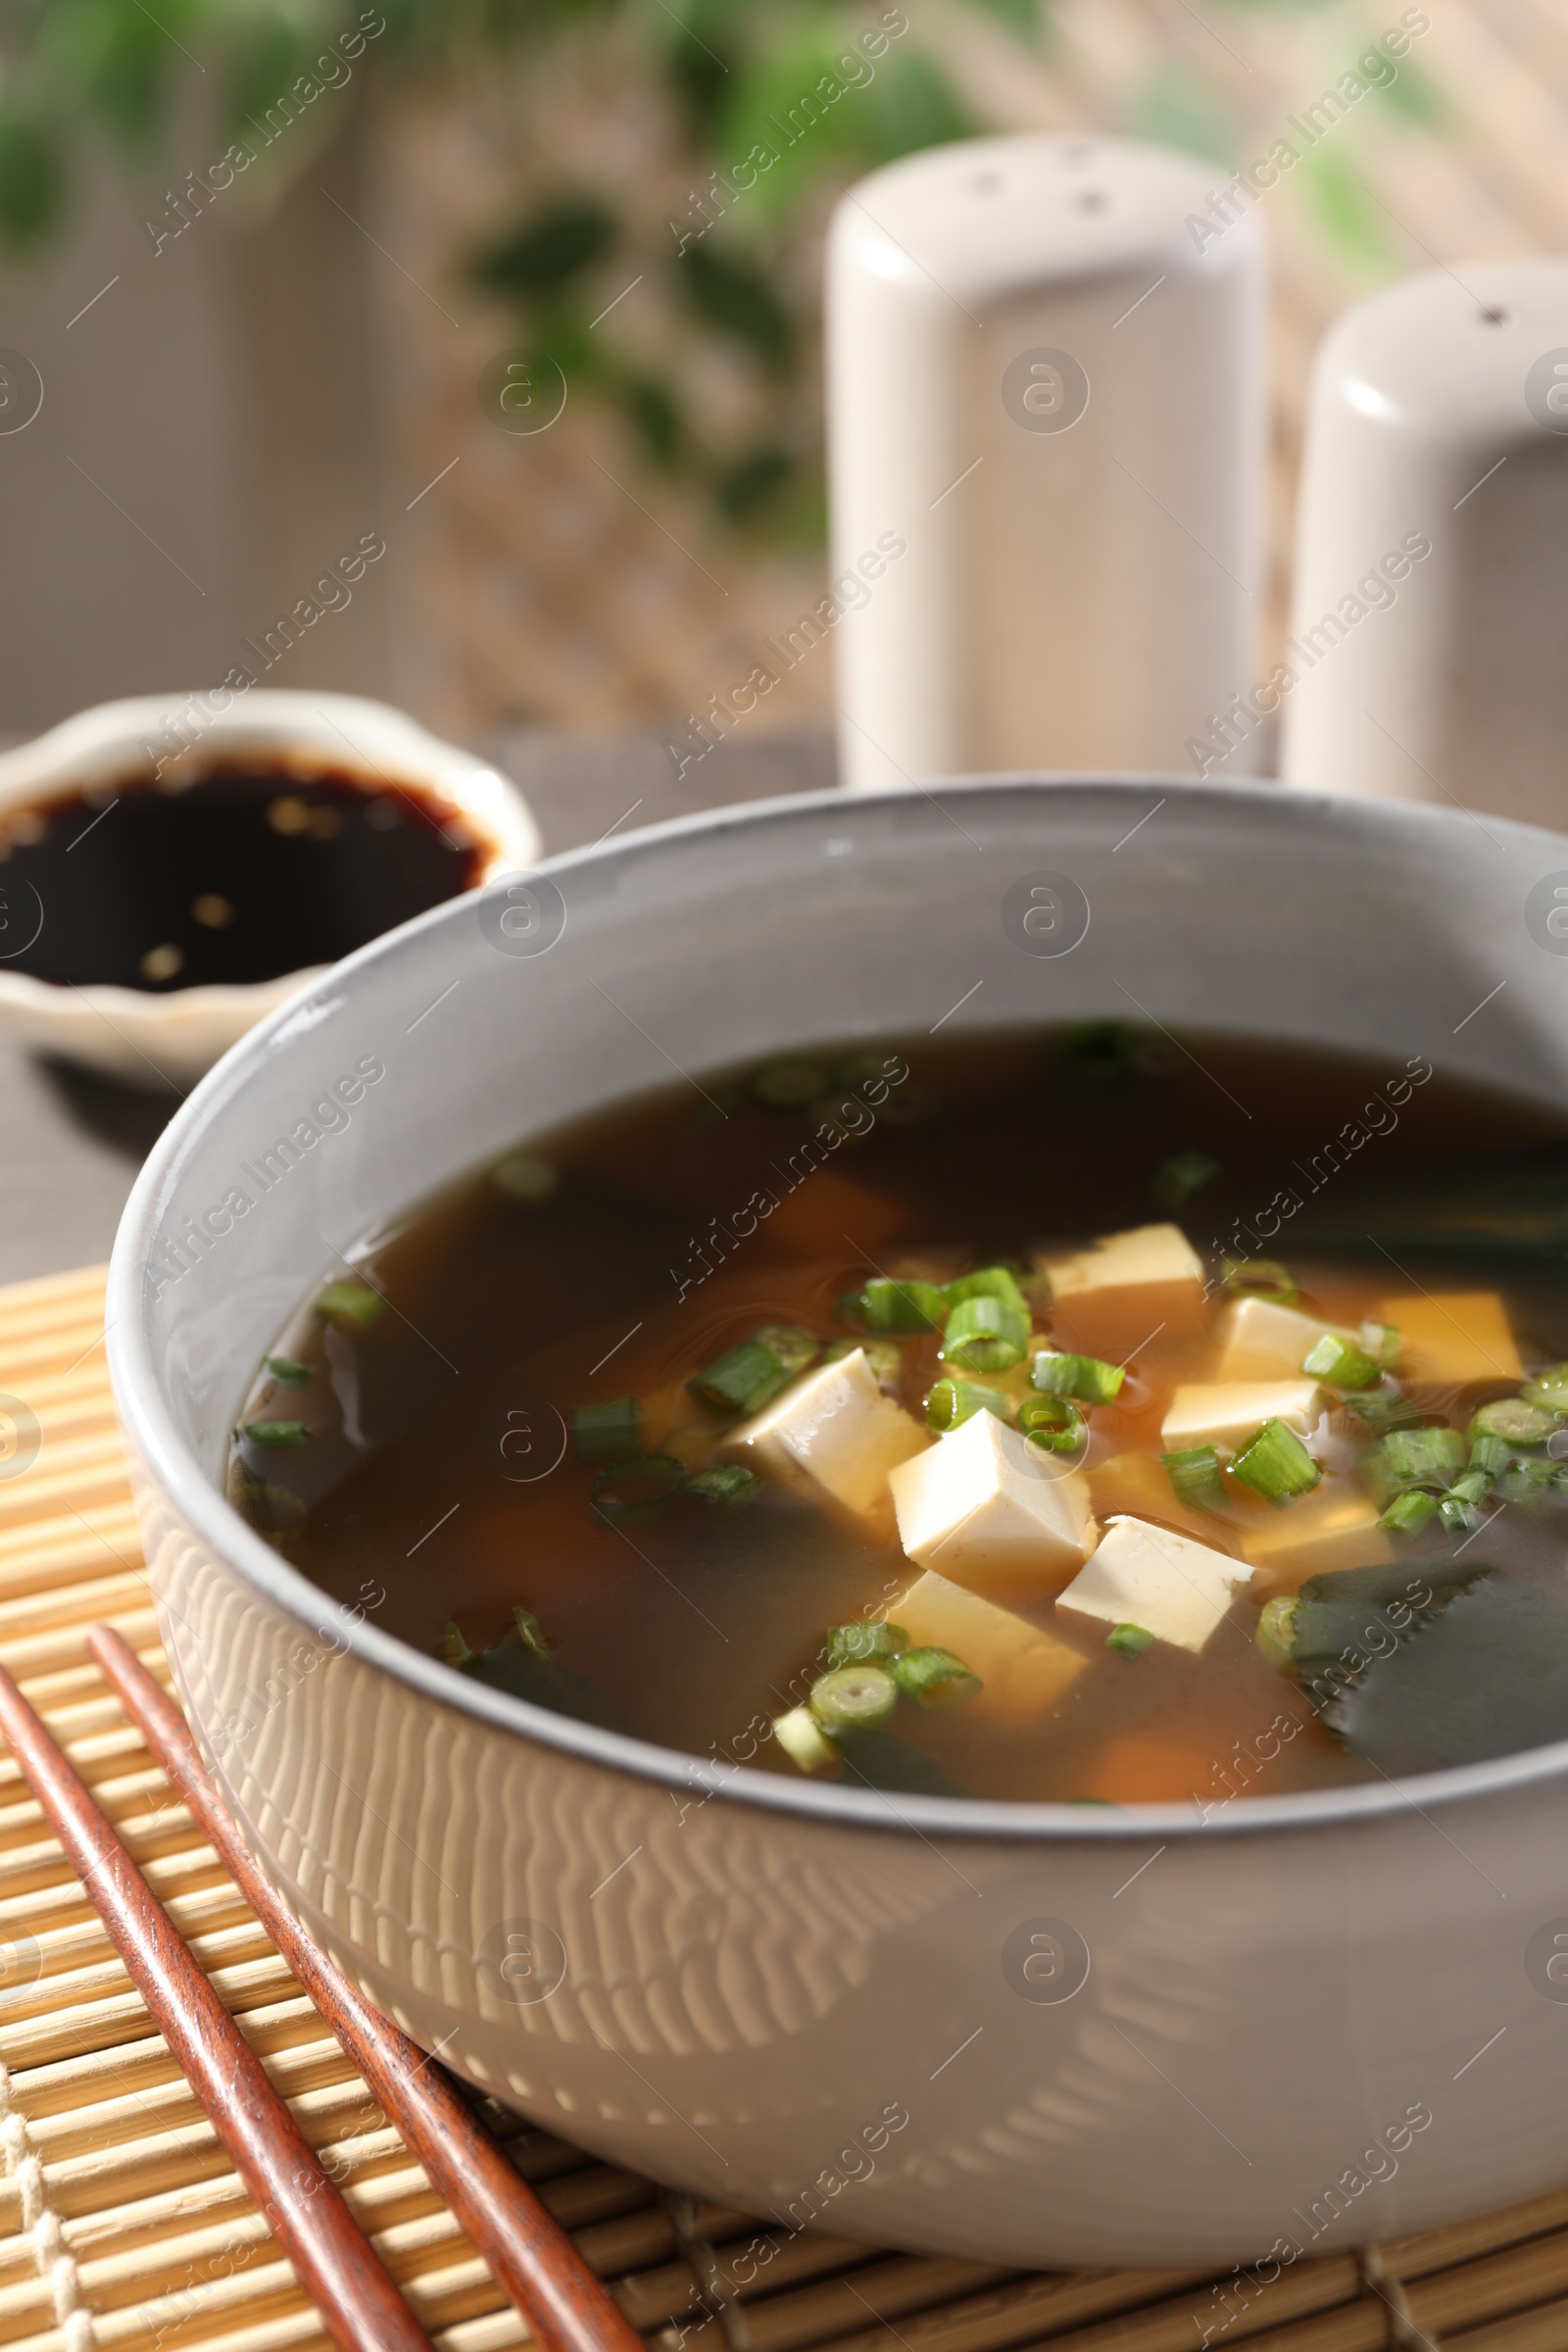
{"x": 966, "y": 1820}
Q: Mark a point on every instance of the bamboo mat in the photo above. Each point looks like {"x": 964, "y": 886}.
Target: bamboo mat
{"x": 123, "y": 2225}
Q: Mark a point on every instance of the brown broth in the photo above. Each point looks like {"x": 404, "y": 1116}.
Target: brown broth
{"x": 239, "y": 874}
{"x": 439, "y": 1482}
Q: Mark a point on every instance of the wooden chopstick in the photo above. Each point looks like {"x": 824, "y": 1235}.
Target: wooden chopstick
{"x": 333, "y": 2260}
{"x": 567, "y": 2307}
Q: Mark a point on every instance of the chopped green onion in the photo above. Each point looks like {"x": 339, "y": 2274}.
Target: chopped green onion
{"x": 636, "y": 1490}
{"x": 1385, "y": 1409}
{"x": 351, "y": 1306}
{"x": 453, "y": 1648}
{"x": 1380, "y": 1342}
{"x": 277, "y": 1432}
{"x": 1413, "y": 1457}
{"x": 1276, "y": 1629}
{"x": 742, "y": 1381}
{"x": 800, "y": 1738}
{"x": 1084, "y": 1377}
{"x": 1549, "y": 1389}
{"x": 611, "y": 1432}
{"x": 883, "y": 1359}
{"x": 284, "y": 1368}
{"x": 1052, "y": 1423}
{"x": 1178, "y": 1178}
{"x": 1129, "y": 1640}
{"x": 1194, "y": 1477}
{"x": 1409, "y": 1513}
{"x": 1460, "y": 1518}
{"x": 1276, "y": 1464}
{"x": 1491, "y": 1454}
{"x": 793, "y": 1345}
{"x": 1517, "y": 1421}
{"x": 986, "y": 1334}
{"x": 992, "y": 1282}
{"x": 1260, "y": 1278}
{"x": 1340, "y": 1365}
{"x": 910, "y": 1305}
{"x": 525, "y": 1177}
{"x": 788, "y": 1085}
{"x": 867, "y": 1641}
{"x": 530, "y": 1633}
{"x": 1474, "y": 1486}
{"x": 951, "y": 1402}
{"x": 849, "y": 1309}
{"x": 854, "y": 1698}
{"x": 728, "y": 1482}
{"x": 934, "y": 1677}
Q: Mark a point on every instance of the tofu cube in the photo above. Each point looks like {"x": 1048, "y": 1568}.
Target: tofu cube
{"x": 1226, "y": 1414}
{"x": 1111, "y": 1299}
{"x": 1260, "y": 1341}
{"x": 1452, "y": 1339}
{"x": 1175, "y": 1588}
{"x": 985, "y": 1509}
{"x": 1334, "y": 1527}
{"x": 1023, "y": 1665}
{"x": 834, "y": 1436}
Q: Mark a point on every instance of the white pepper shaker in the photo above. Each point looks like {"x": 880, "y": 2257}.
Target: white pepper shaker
{"x": 1045, "y": 419}
{"x": 1428, "y": 657}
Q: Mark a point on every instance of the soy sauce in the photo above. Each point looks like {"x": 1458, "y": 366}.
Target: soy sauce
{"x": 242, "y": 875}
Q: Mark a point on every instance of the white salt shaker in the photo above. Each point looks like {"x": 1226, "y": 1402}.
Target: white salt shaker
{"x": 1427, "y": 659}
{"x": 1046, "y": 424}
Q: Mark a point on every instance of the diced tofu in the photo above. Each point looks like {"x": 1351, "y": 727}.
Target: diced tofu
{"x": 1111, "y": 1299}
{"x": 1175, "y": 1588}
{"x": 1452, "y": 1339}
{"x": 986, "y": 1510}
{"x": 1260, "y": 1341}
{"x": 834, "y": 1434}
{"x": 1226, "y": 1414}
{"x": 1335, "y": 1527}
{"x": 1024, "y": 1667}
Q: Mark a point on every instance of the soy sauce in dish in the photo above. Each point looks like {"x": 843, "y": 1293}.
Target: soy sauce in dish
{"x": 524, "y": 1431}
{"x": 242, "y": 873}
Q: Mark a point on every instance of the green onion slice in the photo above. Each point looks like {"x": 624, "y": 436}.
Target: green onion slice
{"x": 277, "y": 1432}
{"x": 1339, "y": 1365}
{"x": 868, "y": 1641}
{"x": 951, "y": 1402}
{"x": 1276, "y": 1630}
{"x": 350, "y": 1306}
{"x": 1194, "y": 1477}
{"x": 611, "y": 1432}
{"x": 1409, "y": 1513}
{"x": 730, "y": 1484}
{"x": 1276, "y": 1464}
{"x": 1491, "y": 1454}
{"x": 986, "y": 1334}
{"x": 1084, "y": 1377}
{"x": 742, "y": 1381}
{"x": 284, "y": 1368}
{"x": 1129, "y": 1640}
{"x": 850, "y": 1309}
{"x": 883, "y": 1357}
{"x": 803, "y": 1741}
{"x": 794, "y": 1346}
{"x": 992, "y": 1282}
{"x": 1260, "y": 1278}
{"x": 934, "y": 1677}
{"x": 854, "y": 1698}
{"x": 1549, "y": 1389}
{"x": 1516, "y": 1421}
{"x": 910, "y": 1305}
{"x": 635, "y": 1490}
{"x": 1051, "y": 1423}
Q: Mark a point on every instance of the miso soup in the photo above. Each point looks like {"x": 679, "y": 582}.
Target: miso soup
{"x": 1084, "y": 1417}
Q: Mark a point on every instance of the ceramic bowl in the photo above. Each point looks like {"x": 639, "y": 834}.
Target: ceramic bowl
{"x": 1022, "y": 2033}
{"x": 173, "y": 1037}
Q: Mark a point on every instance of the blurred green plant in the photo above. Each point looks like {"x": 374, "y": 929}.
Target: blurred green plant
{"x": 767, "y": 106}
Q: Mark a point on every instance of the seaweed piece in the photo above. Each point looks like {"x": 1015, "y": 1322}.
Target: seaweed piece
{"x": 1350, "y": 1616}
{"x": 523, "y": 1670}
{"x": 879, "y": 1760}
{"x": 1485, "y": 1675}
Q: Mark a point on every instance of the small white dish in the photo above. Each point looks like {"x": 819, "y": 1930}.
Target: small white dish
{"x": 174, "y": 1036}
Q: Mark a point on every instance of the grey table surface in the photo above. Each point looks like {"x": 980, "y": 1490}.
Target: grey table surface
{"x": 71, "y": 1144}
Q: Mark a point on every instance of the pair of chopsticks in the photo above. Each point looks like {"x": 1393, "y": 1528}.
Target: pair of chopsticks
{"x": 565, "y": 2306}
